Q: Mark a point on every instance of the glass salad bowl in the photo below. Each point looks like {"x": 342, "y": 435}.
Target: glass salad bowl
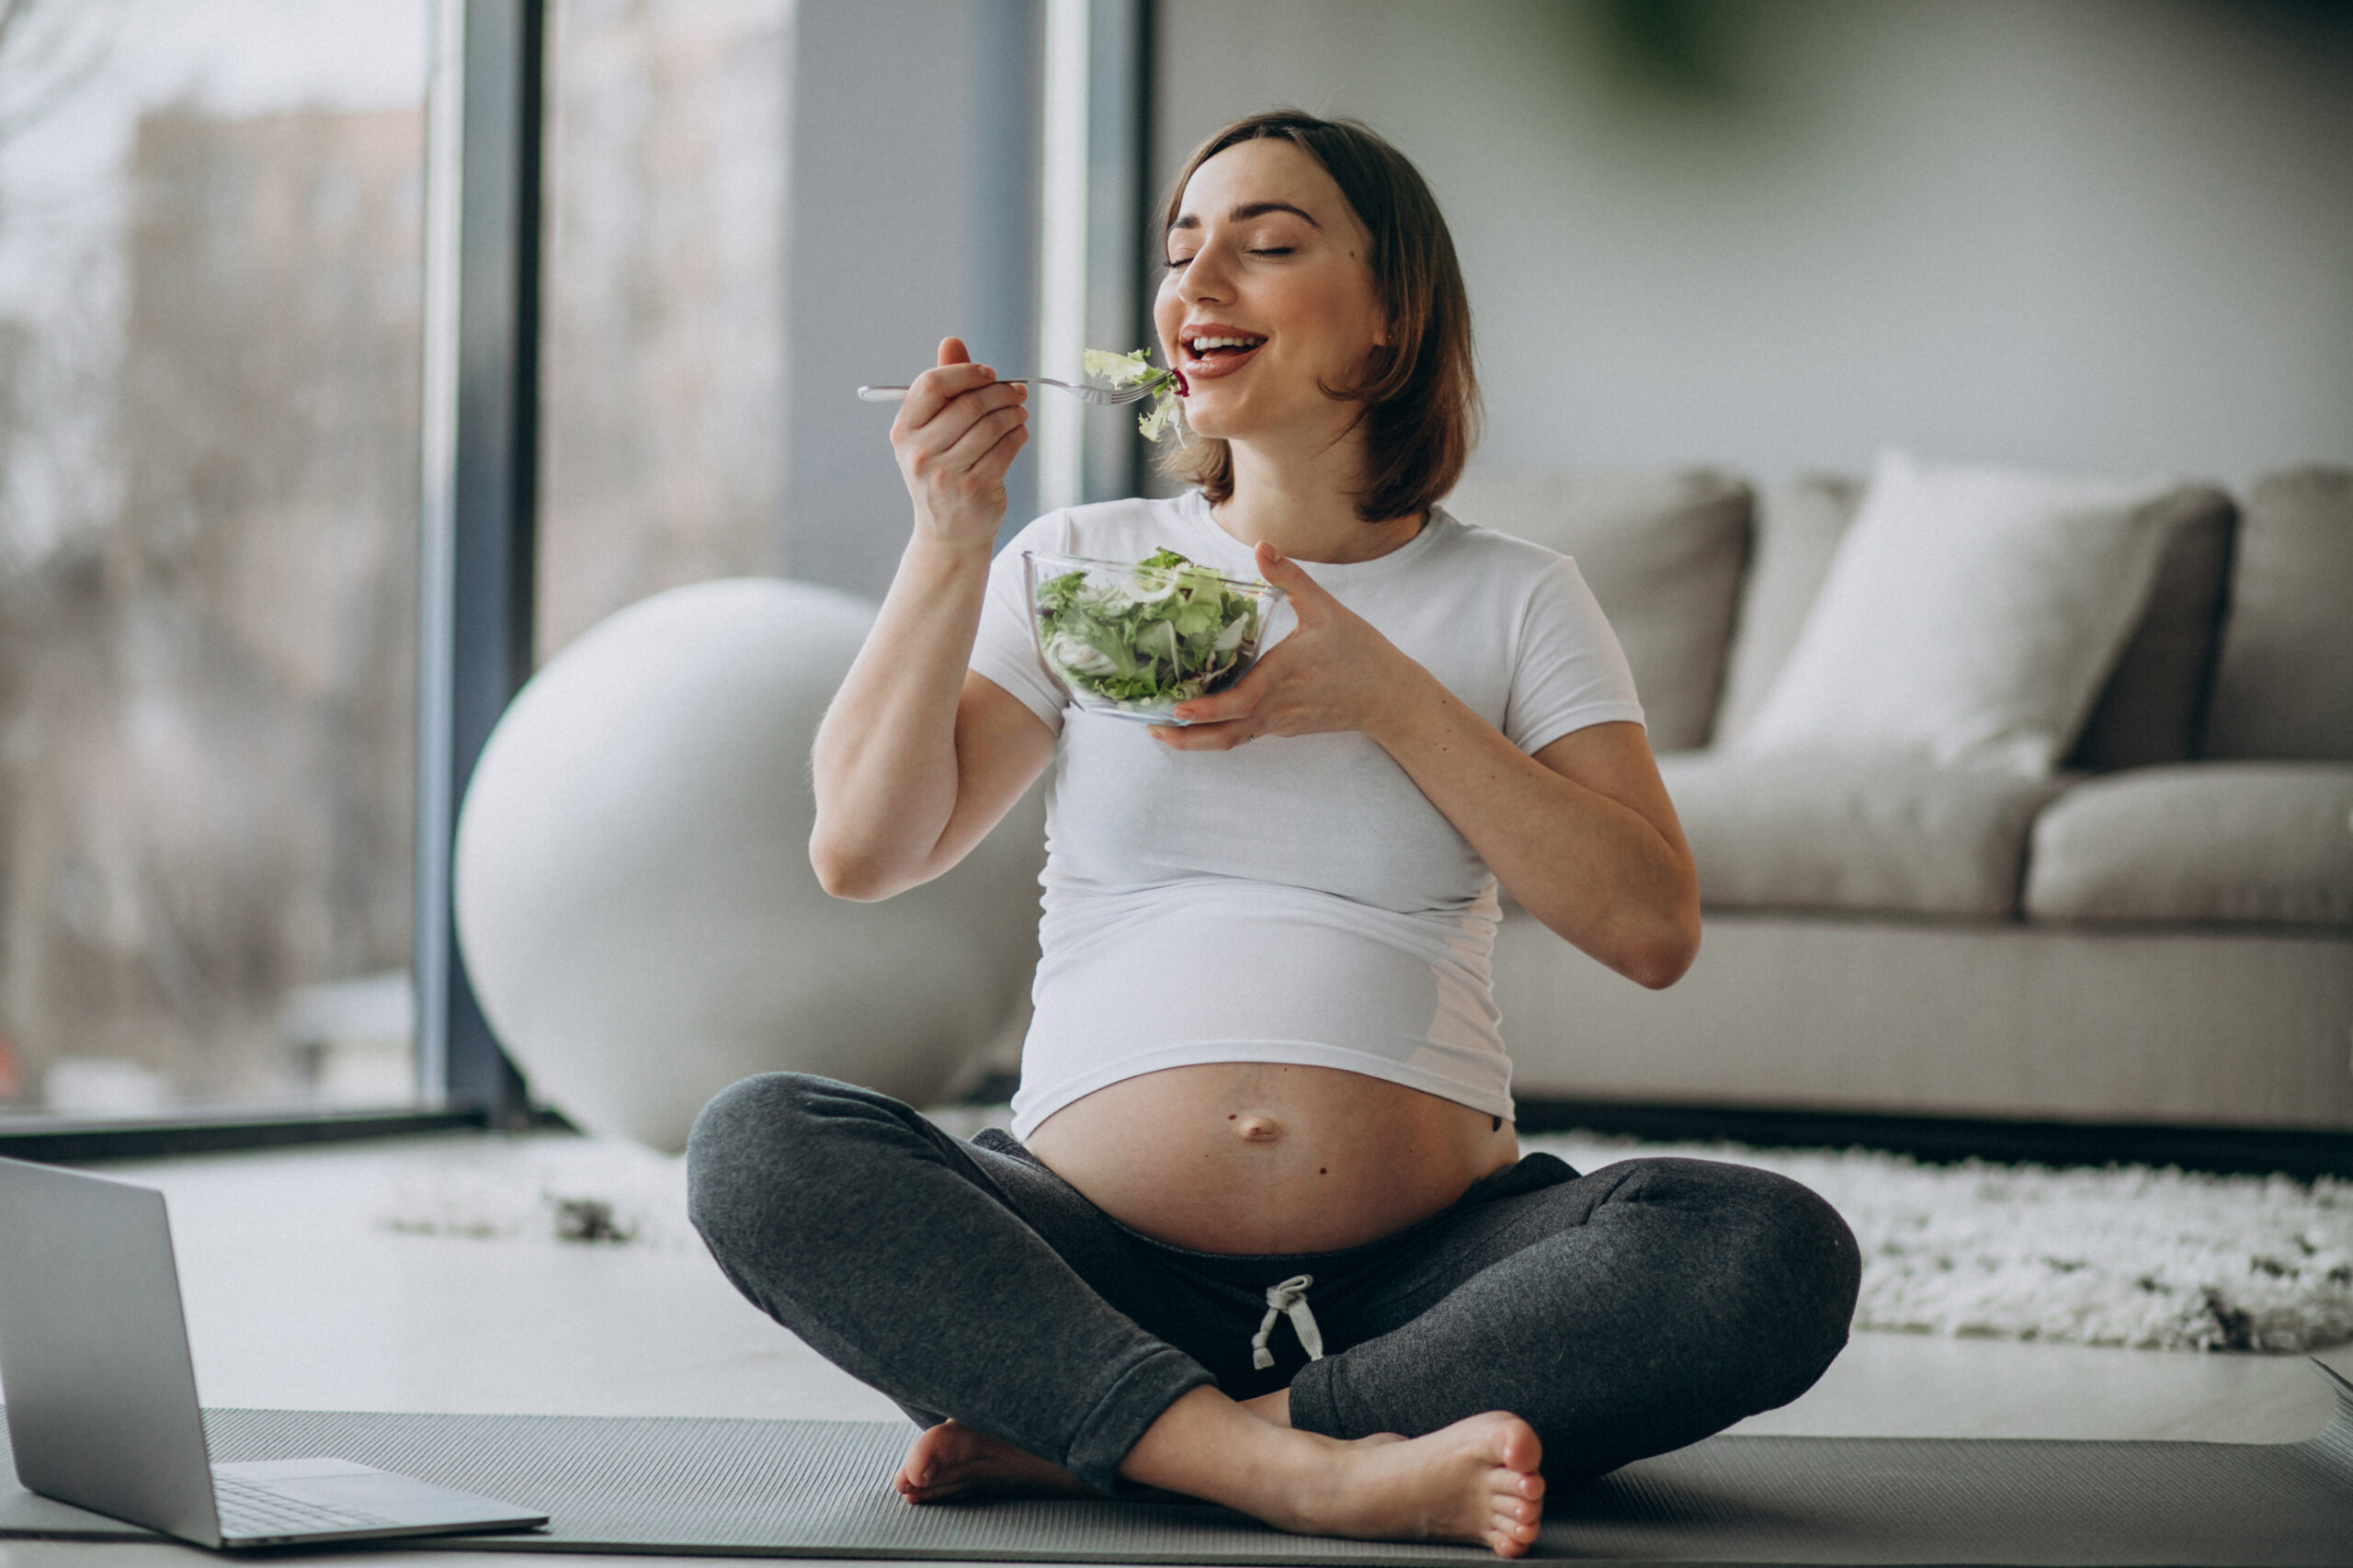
{"x": 1133, "y": 639}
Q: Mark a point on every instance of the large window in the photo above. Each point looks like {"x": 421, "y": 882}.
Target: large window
{"x": 329, "y": 407}
{"x": 210, "y": 312}
{"x": 662, "y": 331}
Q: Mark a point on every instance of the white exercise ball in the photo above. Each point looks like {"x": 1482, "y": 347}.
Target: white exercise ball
{"x": 635, "y": 898}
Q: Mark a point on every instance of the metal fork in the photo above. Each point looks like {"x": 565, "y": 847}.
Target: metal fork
{"x": 1099, "y": 396}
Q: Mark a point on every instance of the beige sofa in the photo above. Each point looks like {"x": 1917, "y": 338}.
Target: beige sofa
{"x": 2160, "y": 936}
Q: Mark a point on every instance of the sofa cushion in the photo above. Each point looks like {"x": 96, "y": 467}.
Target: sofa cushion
{"x": 1798, "y": 530}
{"x": 1663, "y": 553}
{"x": 2152, "y": 707}
{"x": 2284, "y": 688}
{"x": 2205, "y": 842}
{"x": 1883, "y": 833}
{"x": 1971, "y": 617}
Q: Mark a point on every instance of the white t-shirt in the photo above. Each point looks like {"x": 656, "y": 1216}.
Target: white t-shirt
{"x": 1294, "y": 900}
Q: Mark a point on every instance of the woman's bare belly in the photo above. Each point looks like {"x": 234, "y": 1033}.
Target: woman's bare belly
{"x": 1261, "y": 1157}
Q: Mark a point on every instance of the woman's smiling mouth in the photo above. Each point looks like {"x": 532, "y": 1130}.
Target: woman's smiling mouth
{"x": 1217, "y": 351}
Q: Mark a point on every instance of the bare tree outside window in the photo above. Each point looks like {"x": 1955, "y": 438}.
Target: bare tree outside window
{"x": 211, "y": 297}
{"x": 663, "y": 380}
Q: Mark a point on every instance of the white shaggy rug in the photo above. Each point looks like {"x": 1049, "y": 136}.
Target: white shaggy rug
{"x": 2127, "y": 1255}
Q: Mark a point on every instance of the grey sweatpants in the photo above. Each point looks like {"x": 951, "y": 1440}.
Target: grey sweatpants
{"x": 1620, "y": 1313}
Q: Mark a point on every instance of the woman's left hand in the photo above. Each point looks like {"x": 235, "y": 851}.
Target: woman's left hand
{"x": 1333, "y": 673}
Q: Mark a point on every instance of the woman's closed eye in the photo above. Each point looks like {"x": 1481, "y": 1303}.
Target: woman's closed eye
{"x": 1174, "y": 262}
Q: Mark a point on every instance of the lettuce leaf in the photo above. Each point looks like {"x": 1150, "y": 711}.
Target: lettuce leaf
{"x": 1167, "y": 631}
{"x": 1137, "y": 369}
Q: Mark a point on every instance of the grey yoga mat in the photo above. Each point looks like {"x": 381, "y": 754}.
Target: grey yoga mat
{"x": 820, "y": 1489}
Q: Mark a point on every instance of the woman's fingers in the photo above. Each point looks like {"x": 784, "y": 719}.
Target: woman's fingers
{"x": 1204, "y": 737}
{"x": 971, "y": 471}
{"x": 991, "y": 466}
{"x": 1226, "y": 719}
{"x": 934, "y": 389}
{"x": 958, "y": 431}
{"x": 932, "y": 449}
{"x": 1237, "y": 701}
{"x": 983, "y": 433}
{"x": 1308, "y": 596}
{"x": 955, "y": 462}
{"x": 954, "y": 374}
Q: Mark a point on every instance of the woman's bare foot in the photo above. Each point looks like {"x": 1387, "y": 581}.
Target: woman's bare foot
{"x": 952, "y": 1460}
{"x": 1475, "y": 1481}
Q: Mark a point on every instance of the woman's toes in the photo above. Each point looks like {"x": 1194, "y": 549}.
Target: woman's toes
{"x": 1520, "y": 1449}
{"x": 954, "y": 1460}
{"x": 1511, "y": 1483}
{"x": 935, "y": 1460}
{"x": 1518, "y": 1516}
{"x": 936, "y": 1484}
{"x": 1517, "y": 1499}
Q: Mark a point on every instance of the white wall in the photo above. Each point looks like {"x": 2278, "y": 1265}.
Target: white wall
{"x": 2094, "y": 235}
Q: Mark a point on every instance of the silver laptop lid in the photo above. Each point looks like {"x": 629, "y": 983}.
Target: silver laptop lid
{"x": 94, "y": 1358}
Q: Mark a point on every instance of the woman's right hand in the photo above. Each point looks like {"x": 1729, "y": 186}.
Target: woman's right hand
{"x": 957, "y": 433}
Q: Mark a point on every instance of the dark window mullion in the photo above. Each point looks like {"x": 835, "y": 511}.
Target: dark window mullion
{"x": 481, "y": 509}
{"x": 1121, "y": 257}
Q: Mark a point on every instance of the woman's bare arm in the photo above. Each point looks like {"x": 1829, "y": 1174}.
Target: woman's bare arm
{"x": 1582, "y": 833}
{"x": 918, "y": 758}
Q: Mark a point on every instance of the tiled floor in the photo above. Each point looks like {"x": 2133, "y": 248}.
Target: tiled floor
{"x": 297, "y": 1297}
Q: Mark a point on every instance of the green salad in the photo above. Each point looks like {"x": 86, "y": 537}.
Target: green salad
{"x": 1163, "y": 633}
{"x": 1135, "y": 369}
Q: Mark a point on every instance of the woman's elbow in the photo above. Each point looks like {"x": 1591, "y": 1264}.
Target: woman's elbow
{"x": 845, "y": 874}
{"x": 1661, "y": 963}
{"x": 1662, "y": 955}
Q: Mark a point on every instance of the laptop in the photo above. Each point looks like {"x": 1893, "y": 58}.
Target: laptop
{"x": 101, "y": 1390}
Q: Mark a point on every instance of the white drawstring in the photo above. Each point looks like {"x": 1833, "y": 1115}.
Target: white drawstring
{"x": 1290, "y": 1296}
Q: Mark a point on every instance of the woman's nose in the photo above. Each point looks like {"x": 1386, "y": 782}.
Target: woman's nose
{"x": 1203, "y": 278}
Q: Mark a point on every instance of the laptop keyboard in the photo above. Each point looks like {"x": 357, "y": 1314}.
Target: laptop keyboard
{"x": 248, "y": 1508}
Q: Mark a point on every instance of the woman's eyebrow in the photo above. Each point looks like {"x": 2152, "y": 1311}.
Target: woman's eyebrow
{"x": 1247, "y": 211}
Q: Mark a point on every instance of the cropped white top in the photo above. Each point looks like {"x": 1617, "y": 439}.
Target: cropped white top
{"x": 1292, "y": 899}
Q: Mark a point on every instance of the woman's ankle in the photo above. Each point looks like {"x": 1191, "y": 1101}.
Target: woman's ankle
{"x": 1207, "y": 1445}
{"x": 1274, "y": 1407}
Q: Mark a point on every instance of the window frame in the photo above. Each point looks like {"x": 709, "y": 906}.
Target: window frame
{"x": 484, "y": 144}
{"x": 479, "y": 523}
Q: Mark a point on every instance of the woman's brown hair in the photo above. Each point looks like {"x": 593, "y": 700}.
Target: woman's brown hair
{"x": 1420, "y": 392}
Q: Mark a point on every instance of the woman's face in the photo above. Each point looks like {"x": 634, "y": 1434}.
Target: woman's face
{"x": 1268, "y": 292}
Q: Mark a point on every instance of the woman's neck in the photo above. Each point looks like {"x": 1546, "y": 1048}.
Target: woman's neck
{"x": 1303, "y": 502}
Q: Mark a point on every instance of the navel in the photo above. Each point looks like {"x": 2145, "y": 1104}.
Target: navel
{"x": 1257, "y": 1129}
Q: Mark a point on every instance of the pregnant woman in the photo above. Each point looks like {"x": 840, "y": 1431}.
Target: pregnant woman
{"x": 1261, "y": 1233}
